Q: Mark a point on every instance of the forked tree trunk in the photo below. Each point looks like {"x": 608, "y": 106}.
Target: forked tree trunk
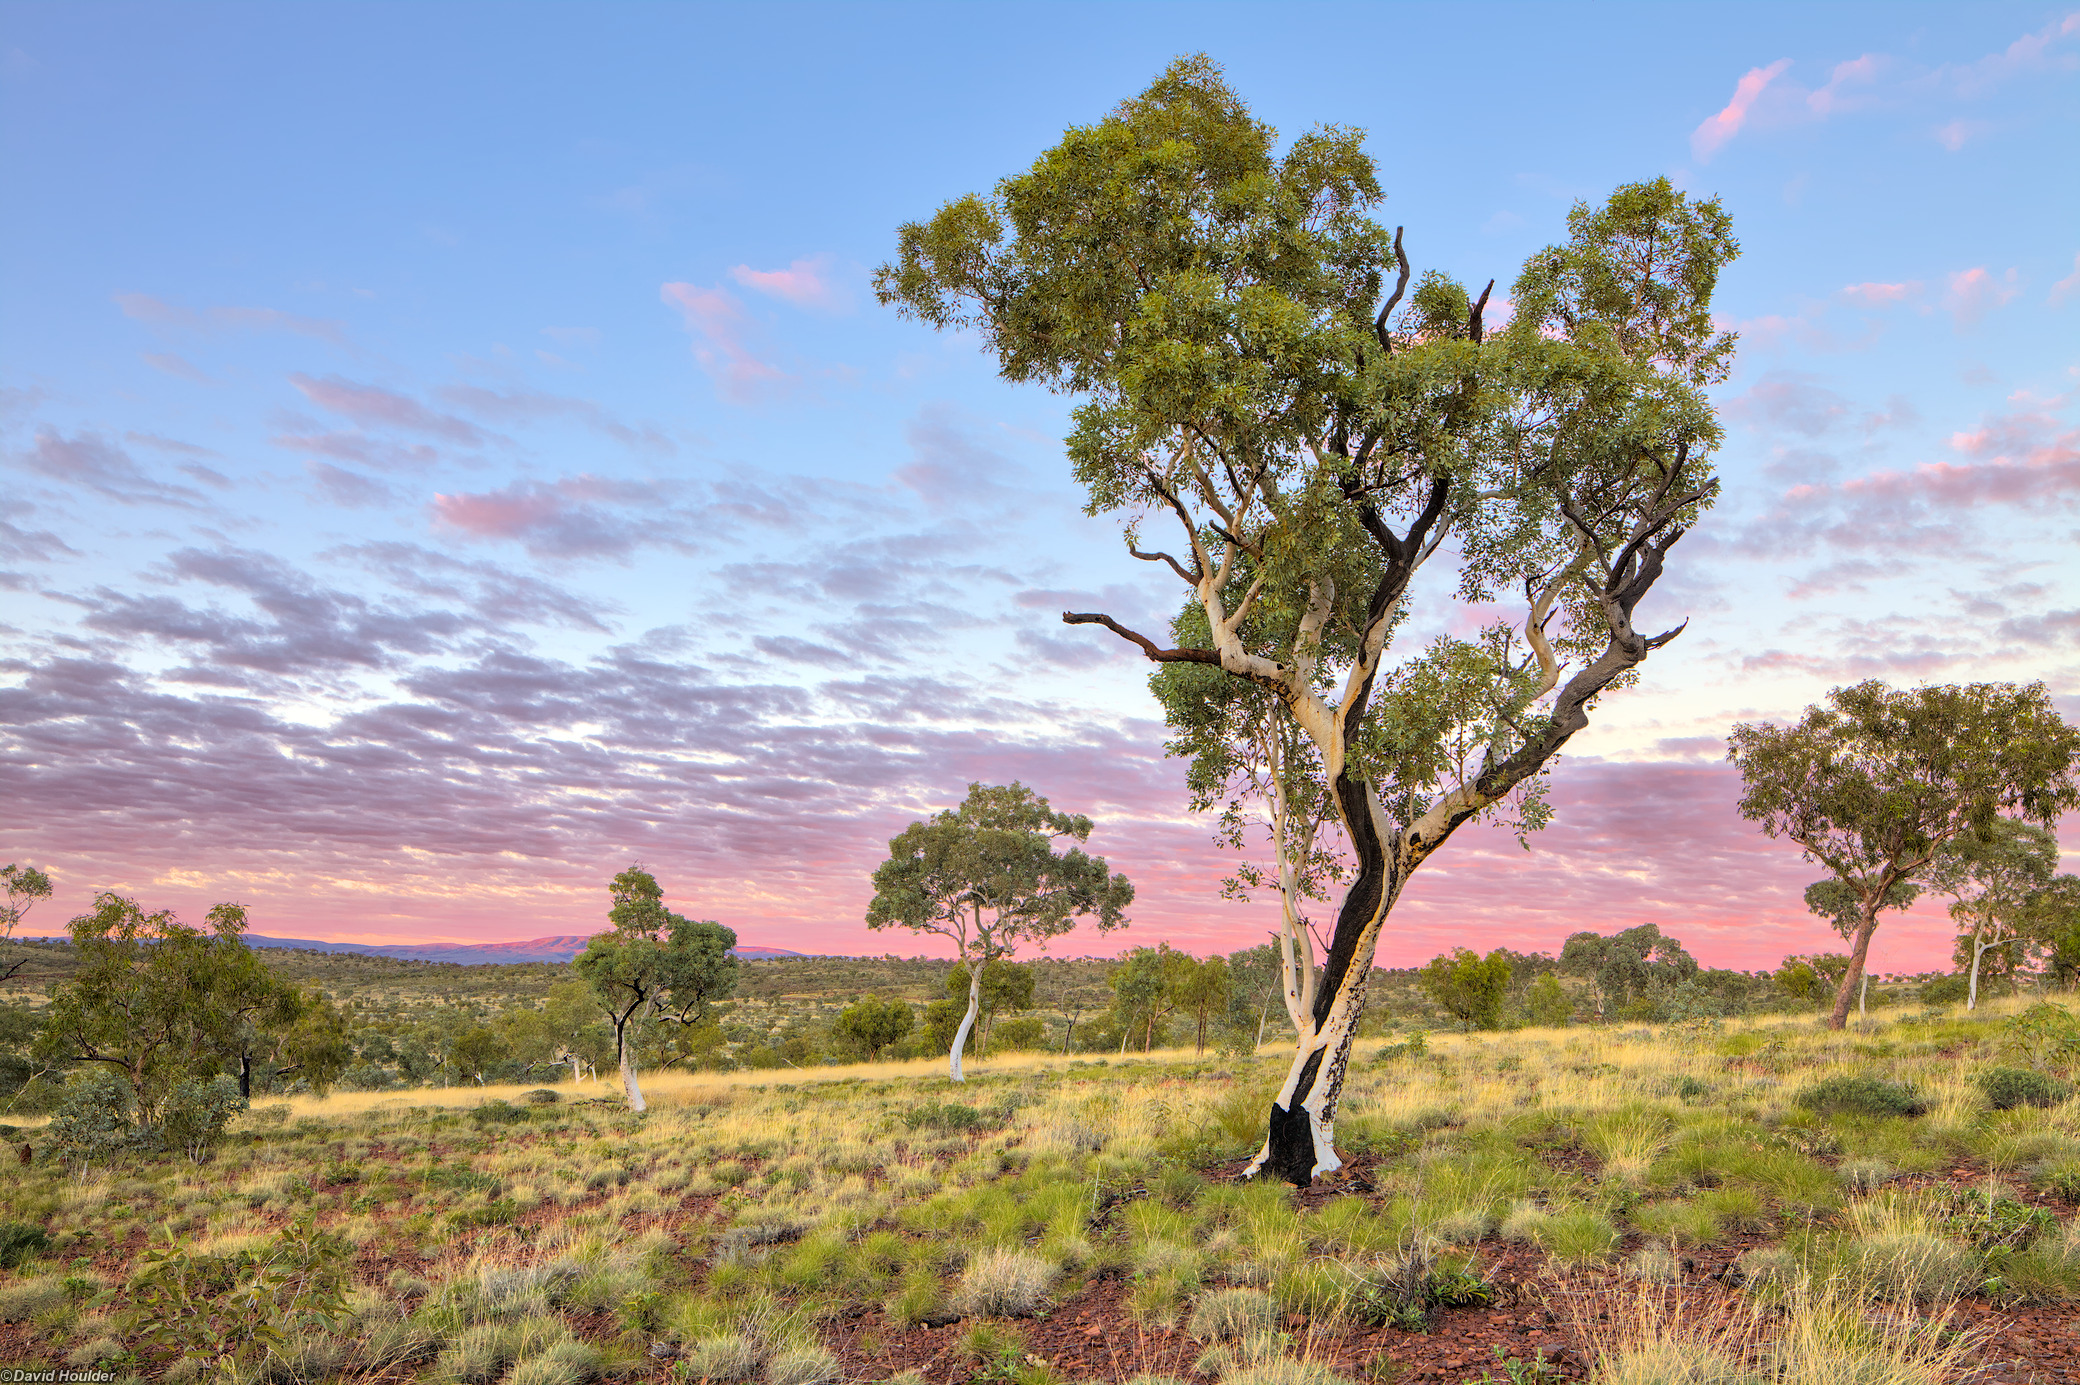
{"x": 960, "y": 1036}
{"x": 1300, "y": 1144}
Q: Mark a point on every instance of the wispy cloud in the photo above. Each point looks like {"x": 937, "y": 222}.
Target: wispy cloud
{"x": 805, "y": 283}
{"x": 1711, "y": 136}
{"x": 91, "y": 462}
{"x": 2061, "y": 290}
{"x": 373, "y": 406}
{"x": 157, "y": 312}
{"x": 1975, "y": 292}
{"x": 721, "y": 342}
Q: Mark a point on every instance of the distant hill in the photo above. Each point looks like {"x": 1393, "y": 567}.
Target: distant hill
{"x": 474, "y": 954}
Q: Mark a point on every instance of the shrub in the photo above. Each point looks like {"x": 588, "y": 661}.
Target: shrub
{"x": 1232, "y": 1314}
{"x": 499, "y": 1113}
{"x": 1862, "y": 1095}
{"x": 2045, "y": 1036}
{"x": 943, "y": 1116}
{"x": 1914, "y": 1267}
{"x": 804, "y": 1365}
{"x": 566, "y": 1363}
{"x": 540, "y": 1096}
{"x": 21, "y": 1241}
{"x": 197, "y": 1114}
{"x": 1004, "y": 1284}
{"x": 95, "y": 1120}
{"x": 727, "y": 1357}
{"x": 2007, "y": 1088}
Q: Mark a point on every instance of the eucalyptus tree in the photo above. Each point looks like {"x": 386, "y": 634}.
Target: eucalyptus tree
{"x": 1996, "y": 882}
{"x": 1248, "y": 760}
{"x": 1880, "y": 781}
{"x": 989, "y": 877}
{"x": 653, "y": 966}
{"x": 1314, "y": 440}
{"x": 26, "y": 887}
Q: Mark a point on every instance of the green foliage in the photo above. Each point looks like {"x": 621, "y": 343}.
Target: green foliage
{"x": 21, "y": 1242}
{"x": 2007, "y": 1088}
{"x": 1469, "y": 987}
{"x": 1547, "y": 1003}
{"x": 97, "y": 1119}
{"x": 1628, "y": 967}
{"x": 2045, "y": 1036}
{"x": 948, "y": 1116}
{"x": 26, "y": 886}
{"x": 229, "y": 1310}
{"x": 872, "y": 1024}
{"x": 1880, "y": 781}
{"x": 654, "y": 966}
{"x": 1021, "y": 1035}
{"x": 1863, "y": 1095}
{"x": 196, "y": 1115}
{"x": 160, "y": 1002}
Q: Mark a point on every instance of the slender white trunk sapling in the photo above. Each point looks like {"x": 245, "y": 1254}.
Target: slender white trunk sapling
{"x": 960, "y": 1037}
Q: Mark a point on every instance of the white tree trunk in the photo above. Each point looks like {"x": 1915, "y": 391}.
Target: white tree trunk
{"x": 629, "y": 1084}
{"x": 960, "y": 1037}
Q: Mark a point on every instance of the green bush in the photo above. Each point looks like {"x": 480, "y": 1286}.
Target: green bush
{"x": 950, "y": 1115}
{"x": 1862, "y": 1095}
{"x": 95, "y": 1120}
{"x": 540, "y": 1096}
{"x": 197, "y": 1114}
{"x": 499, "y": 1113}
{"x": 2007, "y": 1088}
{"x": 21, "y": 1241}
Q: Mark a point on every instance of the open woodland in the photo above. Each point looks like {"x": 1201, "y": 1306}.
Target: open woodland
{"x": 1714, "y": 1200}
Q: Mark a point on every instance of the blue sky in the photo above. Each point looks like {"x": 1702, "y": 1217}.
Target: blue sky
{"x": 453, "y": 450}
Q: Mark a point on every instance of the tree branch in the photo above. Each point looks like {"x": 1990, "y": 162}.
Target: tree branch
{"x": 1473, "y": 318}
{"x": 1148, "y": 646}
{"x": 1379, "y": 324}
{"x": 1175, "y": 566}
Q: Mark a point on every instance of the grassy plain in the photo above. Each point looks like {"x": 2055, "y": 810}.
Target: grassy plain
{"x": 1738, "y": 1202}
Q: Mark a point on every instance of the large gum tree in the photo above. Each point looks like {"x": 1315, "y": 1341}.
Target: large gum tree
{"x": 1313, "y": 439}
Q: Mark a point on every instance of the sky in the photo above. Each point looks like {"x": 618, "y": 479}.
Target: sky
{"x": 450, "y": 452}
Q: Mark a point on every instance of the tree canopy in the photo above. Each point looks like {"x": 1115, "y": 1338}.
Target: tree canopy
{"x": 653, "y": 966}
{"x": 1215, "y": 304}
{"x": 989, "y": 877}
{"x": 1878, "y": 781}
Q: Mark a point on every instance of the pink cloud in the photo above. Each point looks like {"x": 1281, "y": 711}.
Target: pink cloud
{"x": 1975, "y": 292}
{"x": 1835, "y": 96}
{"x": 370, "y": 405}
{"x": 1956, "y": 134}
{"x": 720, "y": 328}
{"x": 1714, "y": 133}
{"x": 2067, "y": 285}
{"x": 1877, "y": 295}
{"x": 804, "y": 283}
{"x": 176, "y": 366}
{"x": 578, "y": 516}
{"x": 143, "y": 307}
{"x": 2033, "y": 52}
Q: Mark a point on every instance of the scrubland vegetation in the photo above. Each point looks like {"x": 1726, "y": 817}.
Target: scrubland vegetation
{"x": 1708, "y": 1201}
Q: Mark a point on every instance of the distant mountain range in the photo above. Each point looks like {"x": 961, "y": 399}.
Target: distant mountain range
{"x": 476, "y": 954}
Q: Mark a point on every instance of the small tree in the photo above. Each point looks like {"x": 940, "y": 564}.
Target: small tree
{"x": 1469, "y": 987}
{"x": 871, "y": 1024}
{"x": 1547, "y": 1003}
{"x": 1625, "y": 966}
{"x": 1877, "y": 782}
{"x": 1202, "y": 992}
{"x": 654, "y": 966}
{"x": 1146, "y": 988}
{"x": 159, "y": 1001}
{"x": 1994, "y": 880}
{"x": 26, "y": 886}
{"x": 988, "y": 877}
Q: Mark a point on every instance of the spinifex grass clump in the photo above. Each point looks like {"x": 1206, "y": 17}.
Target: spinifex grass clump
{"x": 1862, "y": 1095}
{"x": 2008, "y": 1088}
